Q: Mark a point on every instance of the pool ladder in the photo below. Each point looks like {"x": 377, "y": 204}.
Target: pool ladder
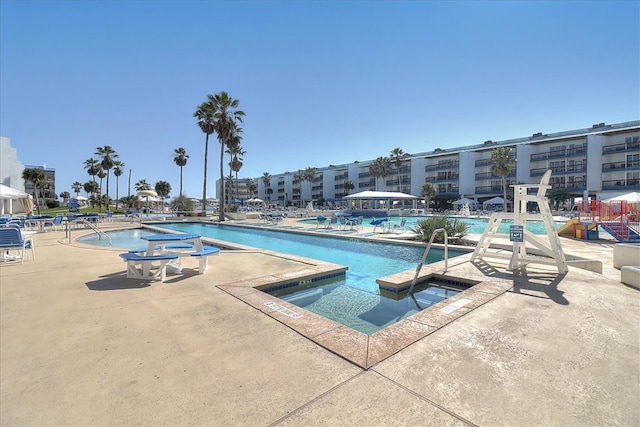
{"x": 92, "y": 226}
{"x": 426, "y": 252}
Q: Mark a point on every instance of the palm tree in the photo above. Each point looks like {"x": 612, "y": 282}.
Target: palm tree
{"x": 348, "y": 186}
{"x": 298, "y": 177}
{"x": 142, "y": 185}
{"x": 77, "y": 187}
{"x": 206, "y": 120}
{"x": 235, "y": 152}
{"x": 226, "y": 119}
{"x": 380, "y": 168}
{"x": 117, "y": 172}
{"x": 180, "y": 158}
{"x": 266, "y": 180}
{"x": 90, "y": 187}
{"x": 503, "y": 163}
{"x": 65, "y": 196}
{"x": 108, "y": 155}
{"x": 163, "y": 189}
{"x": 38, "y": 178}
{"x": 428, "y": 191}
{"x": 92, "y": 166}
{"x": 309, "y": 174}
{"x": 251, "y": 187}
{"x": 396, "y": 156}
{"x": 101, "y": 174}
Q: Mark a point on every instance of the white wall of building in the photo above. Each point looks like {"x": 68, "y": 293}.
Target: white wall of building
{"x": 10, "y": 167}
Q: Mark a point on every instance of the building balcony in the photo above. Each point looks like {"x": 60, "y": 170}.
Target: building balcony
{"x": 633, "y": 144}
{"x": 453, "y": 164}
{"x": 621, "y": 184}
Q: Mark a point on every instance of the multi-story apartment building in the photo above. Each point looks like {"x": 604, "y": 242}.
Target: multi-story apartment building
{"x": 596, "y": 161}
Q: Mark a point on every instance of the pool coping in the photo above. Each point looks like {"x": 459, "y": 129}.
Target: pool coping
{"x": 357, "y": 347}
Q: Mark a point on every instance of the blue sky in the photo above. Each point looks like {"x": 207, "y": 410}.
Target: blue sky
{"x": 321, "y": 82}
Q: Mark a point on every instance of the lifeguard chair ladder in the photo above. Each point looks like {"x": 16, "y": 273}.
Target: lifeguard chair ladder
{"x": 519, "y": 257}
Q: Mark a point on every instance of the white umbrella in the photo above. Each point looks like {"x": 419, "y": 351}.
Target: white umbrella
{"x": 464, "y": 201}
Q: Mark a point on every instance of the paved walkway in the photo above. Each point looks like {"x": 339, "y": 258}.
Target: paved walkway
{"x": 82, "y": 345}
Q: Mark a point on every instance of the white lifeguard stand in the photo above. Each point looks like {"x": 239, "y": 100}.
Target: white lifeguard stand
{"x": 519, "y": 234}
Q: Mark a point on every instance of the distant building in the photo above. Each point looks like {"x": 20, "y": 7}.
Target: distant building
{"x": 598, "y": 161}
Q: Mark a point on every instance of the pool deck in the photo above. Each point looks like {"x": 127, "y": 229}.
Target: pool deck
{"x": 80, "y": 344}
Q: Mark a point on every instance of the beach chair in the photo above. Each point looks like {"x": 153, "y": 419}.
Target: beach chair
{"x": 13, "y": 245}
{"x": 380, "y": 222}
{"x": 321, "y": 221}
{"x": 401, "y": 226}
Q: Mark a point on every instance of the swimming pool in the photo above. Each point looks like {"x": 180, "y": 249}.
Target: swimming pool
{"x": 355, "y": 299}
{"x": 476, "y": 225}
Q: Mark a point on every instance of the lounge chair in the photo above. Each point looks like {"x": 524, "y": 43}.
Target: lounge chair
{"x": 54, "y": 223}
{"x": 378, "y": 223}
{"x": 401, "y": 226}
{"x": 12, "y": 240}
{"x": 321, "y": 221}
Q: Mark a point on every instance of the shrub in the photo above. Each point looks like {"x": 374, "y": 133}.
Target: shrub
{"x": 455, "y": 228}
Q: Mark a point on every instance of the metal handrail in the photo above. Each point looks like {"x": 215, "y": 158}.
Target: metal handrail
{"x": 426, "y": 252}
{"x": 84, "y": 221}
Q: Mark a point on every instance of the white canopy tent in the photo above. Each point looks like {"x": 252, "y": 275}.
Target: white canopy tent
{"x": 8, "y": 195}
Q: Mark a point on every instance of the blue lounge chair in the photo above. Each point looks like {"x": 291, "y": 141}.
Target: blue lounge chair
{"x": 322, "y": 221}
{"x": 378, "y": 223}
{"x": 12, "y": 240}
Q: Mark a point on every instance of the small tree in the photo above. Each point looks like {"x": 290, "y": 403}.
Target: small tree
{"x": 428, "y": 191}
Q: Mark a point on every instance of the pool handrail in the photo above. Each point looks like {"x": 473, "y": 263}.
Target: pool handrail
{"x": 426, "y": 252}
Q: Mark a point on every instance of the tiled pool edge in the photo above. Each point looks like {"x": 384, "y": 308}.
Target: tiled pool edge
{"x": 364, "y": 350}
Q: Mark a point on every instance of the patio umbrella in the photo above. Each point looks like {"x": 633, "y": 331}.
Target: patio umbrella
{"x": 147, "y": 194}
{"x": 463, "y": 201}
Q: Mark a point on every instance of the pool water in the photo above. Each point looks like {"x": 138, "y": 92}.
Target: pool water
{"x": 476, "y": 225}
{"x": 358, "y": 291}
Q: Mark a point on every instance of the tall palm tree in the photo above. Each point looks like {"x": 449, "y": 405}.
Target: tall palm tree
{"x": 236, "y": 164}
{"x": 101, "y": 174}
{"x": 90, "y": 187}
{"x": 251, "y": 187}
{"x": 235, "y": 152}
{"x": 108, "y": 155}
{"x": 226, "y": 119}
{"x": 503, "y": 163}
{"x": 92, "y": 166}
{"x": 266, "y": 180}
{"x": 309, "y": 174}
{"x": 380, "y": 168}
{"x": 396, "y": 156}
{"x": 206, "y": 120}
{"x": 77, "y": 187}
{"x": 298, "y": 177}
{"x": 180, "y": 158}
{"x": 142, "y": 185}
{"x": 38, "y": 178}
{"x": 118, "y": 170}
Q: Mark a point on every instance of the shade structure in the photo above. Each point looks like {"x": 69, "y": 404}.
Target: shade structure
{"x": 254, "y": 201}
{"x": 9, "y": 194}
{"x": 383, "y": 196}
{"x": 147, "y": 194}
{"x": 379, "y": 195}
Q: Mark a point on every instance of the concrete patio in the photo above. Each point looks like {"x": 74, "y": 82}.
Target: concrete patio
{"x": 82, "y": 345}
